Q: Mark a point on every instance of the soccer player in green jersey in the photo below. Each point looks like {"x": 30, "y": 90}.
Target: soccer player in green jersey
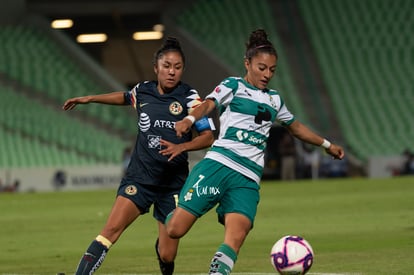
{"x": 159, "y": 163}
{"x": 230, "y": 173}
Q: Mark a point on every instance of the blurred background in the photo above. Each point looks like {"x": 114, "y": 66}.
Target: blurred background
{"x": 344, "y": 69}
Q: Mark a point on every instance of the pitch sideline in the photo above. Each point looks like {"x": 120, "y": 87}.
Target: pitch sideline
{"x": 242, "y": 273}
{"x": 236, "y": 273}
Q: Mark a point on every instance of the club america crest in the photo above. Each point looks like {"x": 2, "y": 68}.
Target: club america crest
{"x": 131, "y": 190}
{"x": 176, "y": 108}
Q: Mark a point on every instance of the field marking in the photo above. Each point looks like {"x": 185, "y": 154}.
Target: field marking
{"x": 235, "y": 273}
{"x": 240, "y": 273}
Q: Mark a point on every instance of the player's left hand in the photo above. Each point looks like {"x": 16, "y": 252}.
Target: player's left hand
{"x": 72, "y": 102}
{"x": 171, "y": 149}
{"x": 182, "y": 127}
{"x": 336, "y": 151}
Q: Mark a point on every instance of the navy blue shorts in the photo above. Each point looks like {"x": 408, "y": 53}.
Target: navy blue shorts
{"x": 164, "y": 200}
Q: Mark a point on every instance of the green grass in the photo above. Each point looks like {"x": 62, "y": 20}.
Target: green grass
{"x": 361, "y": 226}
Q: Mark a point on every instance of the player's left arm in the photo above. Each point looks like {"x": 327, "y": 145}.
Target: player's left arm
{"x": 300, "y": 131}
{"x": 114, "y": 98}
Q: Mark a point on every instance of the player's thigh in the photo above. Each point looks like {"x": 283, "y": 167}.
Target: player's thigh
{"x": 141, "y": 195}
{"x": 242, "y": 196}
{"x": 203, "y": 188}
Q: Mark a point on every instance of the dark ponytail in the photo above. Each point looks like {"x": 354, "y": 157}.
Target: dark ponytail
{"x": 258, "y": 42}
{"x": 170, "y": 44}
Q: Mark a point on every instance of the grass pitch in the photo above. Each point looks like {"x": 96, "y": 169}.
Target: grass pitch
{"x": 355, "y": 226}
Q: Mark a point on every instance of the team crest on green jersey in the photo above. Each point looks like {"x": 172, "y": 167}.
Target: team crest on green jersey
{"x": 189, "y": 195}
{"x": 176, "y": 108}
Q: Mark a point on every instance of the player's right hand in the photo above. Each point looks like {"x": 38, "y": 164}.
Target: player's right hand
{"x": 182, "y": 127}
{"x": 336, "y": 151}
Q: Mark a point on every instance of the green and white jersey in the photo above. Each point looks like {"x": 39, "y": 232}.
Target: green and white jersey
{"x": 246, "y": 116}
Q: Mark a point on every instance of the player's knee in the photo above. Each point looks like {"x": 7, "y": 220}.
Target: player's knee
{"x": 171, "y": 227}
{"x": 179, "y": 222}
{"x": 174, "y": 231}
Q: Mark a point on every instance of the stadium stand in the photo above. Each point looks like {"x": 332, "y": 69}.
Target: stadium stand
{"x": 223, "y": 26}
{"x": 34, "y": 59}
{"x": 363, "y": 49}
{"x": 305, "y": 71}
{"x": 15, "y": 153}
{"x": 34, "y": 134}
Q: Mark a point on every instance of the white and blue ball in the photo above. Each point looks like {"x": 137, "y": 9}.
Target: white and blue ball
{"x": 292, "y": 255}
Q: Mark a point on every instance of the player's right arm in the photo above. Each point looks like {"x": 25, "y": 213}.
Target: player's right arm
{"x": 184, "y": 126}
{"x": 222, "y": 95}
{"x": 115, "y": 98}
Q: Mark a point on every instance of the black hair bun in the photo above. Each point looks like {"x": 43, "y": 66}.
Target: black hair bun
{"x": 258, "y": 38}
{"x": 171, "y": 43}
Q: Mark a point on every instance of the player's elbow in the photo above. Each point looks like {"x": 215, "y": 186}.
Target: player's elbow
{"x": 210, "y": 139}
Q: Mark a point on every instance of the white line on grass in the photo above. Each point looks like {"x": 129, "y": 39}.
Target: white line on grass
{"x": 241, "y": 273}
{"x": 236, "y": 273}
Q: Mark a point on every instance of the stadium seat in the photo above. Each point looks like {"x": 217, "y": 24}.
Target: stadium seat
{"x": 35, "y": 134}
{"x": 361, "y": 47}
{"x": 34, "y": 59}
{"x": 223, "y": 26}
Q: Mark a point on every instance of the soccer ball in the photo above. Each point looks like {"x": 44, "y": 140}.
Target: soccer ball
{"x": 291, "y": 255}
